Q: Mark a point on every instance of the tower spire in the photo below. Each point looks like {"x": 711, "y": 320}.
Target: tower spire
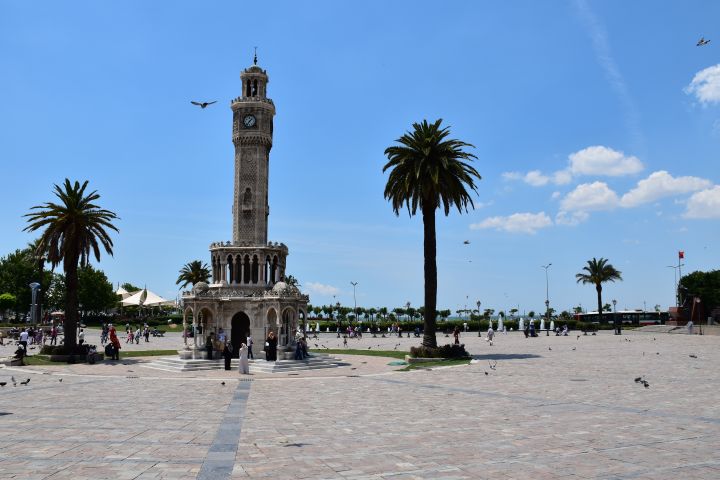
{"x": 255, "y": 57}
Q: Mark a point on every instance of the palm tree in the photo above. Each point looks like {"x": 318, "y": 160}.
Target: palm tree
{"x": 73, "y": 229}
{"x": 192, "y": 273}
{"x": 429, "y": 171}
{"x": 598, "y": 272}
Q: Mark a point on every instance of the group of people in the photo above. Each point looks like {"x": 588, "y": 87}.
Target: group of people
{"x": 132, "y": 336}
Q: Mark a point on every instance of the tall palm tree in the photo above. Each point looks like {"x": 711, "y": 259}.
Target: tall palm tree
{"x": 73, "y": 229}
{"x": 192, "y": 273}
{"x": 598, "y": 272}
{"x": 429, "y": 171}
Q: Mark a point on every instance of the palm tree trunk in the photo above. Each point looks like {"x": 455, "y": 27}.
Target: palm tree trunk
{"x": 598, "y": 287}
{"x": 430, "y": 252}
{"x": 70, "y": 266}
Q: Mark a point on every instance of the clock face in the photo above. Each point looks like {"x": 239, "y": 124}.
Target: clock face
{"x": 249, "y": 121}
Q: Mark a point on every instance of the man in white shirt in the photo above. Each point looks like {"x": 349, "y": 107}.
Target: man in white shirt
{"x": 24, "y": 338}
{"x": 81, "y": 337}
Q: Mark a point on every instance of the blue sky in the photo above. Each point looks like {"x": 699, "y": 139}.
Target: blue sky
{"x": 596, "y": 126}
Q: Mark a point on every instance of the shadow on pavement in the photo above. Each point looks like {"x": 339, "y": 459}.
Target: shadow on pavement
{"x": 505, "y": 356}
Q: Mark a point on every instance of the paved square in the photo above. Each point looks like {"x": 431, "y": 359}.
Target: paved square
{"x": 554, "y": 407}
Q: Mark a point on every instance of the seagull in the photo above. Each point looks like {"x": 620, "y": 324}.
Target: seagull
{"x": 702, "y": 42}
{"x": 202, "y": 105}
{"x": 492, "y": 365}
{"x": 25, "y": 382}
{"x": 466, "y": 242}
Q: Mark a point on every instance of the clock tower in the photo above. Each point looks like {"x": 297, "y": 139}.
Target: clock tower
{"x": 252, "y": 136}
{"x": 248, "y": 294}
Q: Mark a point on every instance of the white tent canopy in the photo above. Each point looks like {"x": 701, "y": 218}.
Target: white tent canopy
{"x": 122, "y": 292}
{"x": 144, "y": 298}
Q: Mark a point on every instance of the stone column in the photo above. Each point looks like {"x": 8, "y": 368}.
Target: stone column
{"x": 242, "y": 270}
{"x": 223, "y": 268}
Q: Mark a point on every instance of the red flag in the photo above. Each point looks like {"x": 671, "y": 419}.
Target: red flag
{"x": 681, "y": 254}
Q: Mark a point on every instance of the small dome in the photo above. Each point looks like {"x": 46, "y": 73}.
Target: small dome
{"x": 254, "y": 69}
{"x": 285, "y": 289}
{"x": 200, "y": 287}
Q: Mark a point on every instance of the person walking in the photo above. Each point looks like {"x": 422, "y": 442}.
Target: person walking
{"x": 146, "y": 333}
{"x": 23, "y": 339}
{"x": 227, "y": 355}
{"x": 456, "y": 334}
{"x": 130, "y": 335}
{"x": 249, "y": 344}
{"x": 53, "y": 335}
{"x": 244, "y": 367}
{"x": 81, "y": 337}
{"x": 271, "y": 347}
{"x": 490, "y": 335}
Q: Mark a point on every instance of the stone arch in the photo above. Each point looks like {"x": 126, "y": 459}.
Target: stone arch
{"x": 239, "y": 331}
{"x": 288, "y": 325}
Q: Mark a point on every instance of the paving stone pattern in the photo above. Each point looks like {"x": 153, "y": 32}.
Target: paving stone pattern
{"x": 554, "y": 407}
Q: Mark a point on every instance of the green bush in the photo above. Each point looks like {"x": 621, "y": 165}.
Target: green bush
{"x": 444, "y": 351}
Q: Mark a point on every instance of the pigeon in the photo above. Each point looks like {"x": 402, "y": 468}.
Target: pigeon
{"x": 492, "y": 365}
{"x": 693, "y": 356}
{"x": 25, "y": 382}
{"x": 12, "y": 378}
{"x": 646, "y": 384}
{"x": 222, "y": 383}
{"x": 638, "y": 379}
{"x": 202, "y": 105}
{"x": 550, "y": 349}
{"x": 578, "y": 337}
{"x": 486, "y": 373}
{"x": 574, "y": 348}
{"x": 702, "y": 42}
{"x": 60, "y": 380}
{"x": 316, "y": 345}
{"x": 2, "y": 384}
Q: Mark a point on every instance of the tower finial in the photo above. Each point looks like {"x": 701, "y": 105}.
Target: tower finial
{"x": 255, "y": 57}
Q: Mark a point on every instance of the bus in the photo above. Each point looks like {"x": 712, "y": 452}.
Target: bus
{"x": 627, "y": 317}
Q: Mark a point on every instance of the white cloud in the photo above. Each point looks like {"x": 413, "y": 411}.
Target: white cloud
{"x": 512, "y": 176}
{"x": 536, "y": 178}
{"x": 562, "y": 177}
{"x": 516, "y": 223}
{"x": 704, "y": 204}
{"x": 571, "y": 218}
{"x": 595, "y": 160}
{"x": 705, "y": 85}
{"x": 320, "y": 289}
{"x": 600, "y": 160}
{"x": 590, "y": 196}
{"x": 661, "y": 184}
{"x": 555, "y": 195}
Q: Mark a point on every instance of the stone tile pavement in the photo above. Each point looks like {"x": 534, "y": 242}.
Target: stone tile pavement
{"x": 554, "y": 407}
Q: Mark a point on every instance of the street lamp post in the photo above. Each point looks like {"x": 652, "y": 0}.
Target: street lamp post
{"x": 547, "y": 296}
{"x": 479, "y": 317}
{"x": 615, "y": 321}
{"x": 35, "y": 288}
{"x": 355, "y": 284}
{"x": 675, "y": 274}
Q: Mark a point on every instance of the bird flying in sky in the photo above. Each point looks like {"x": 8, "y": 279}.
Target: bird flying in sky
{"x": 202, "y": 104}
{"x": 702, "y": 42}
